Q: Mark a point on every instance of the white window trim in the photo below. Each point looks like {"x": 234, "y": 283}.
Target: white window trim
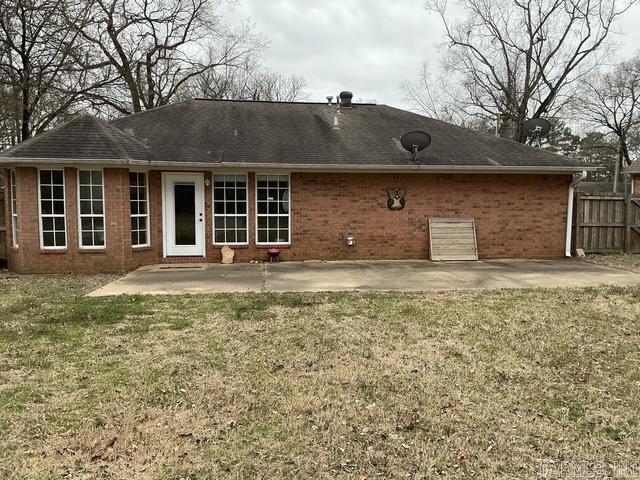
{"x": 289, "y": 214}
{"x": 148, "y": 214}
{"x": 64, "y": 216}
{"x": 80, "y": 215}
{"x": 14, "y": 211}
{"x": 222, "y": 215}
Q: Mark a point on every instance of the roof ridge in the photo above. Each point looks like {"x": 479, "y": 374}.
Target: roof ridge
{"x": 202, "y": 99}
{"x": 286, "y": 102}
{"x": 151, "y": 110}
{"x": 104, "y": 129}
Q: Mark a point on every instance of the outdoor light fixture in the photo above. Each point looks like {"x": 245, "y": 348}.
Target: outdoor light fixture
{"x": 351, "y": 240}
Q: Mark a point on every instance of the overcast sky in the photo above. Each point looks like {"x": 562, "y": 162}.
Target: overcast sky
{"x": 368, "y": 47}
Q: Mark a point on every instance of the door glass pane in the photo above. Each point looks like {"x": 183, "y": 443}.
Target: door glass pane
{"x": 185, "y": 214}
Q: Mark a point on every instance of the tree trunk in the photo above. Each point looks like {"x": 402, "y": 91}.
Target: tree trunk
{"x": 616, "y": 170}
{"x": 25, "y": 120}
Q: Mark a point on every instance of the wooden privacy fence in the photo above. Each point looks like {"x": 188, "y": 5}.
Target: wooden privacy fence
{"x": 607, "y": 223}
{"x": 3, "y": 229}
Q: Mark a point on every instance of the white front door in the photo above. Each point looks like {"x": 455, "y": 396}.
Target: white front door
{"x": 183, "y": 210}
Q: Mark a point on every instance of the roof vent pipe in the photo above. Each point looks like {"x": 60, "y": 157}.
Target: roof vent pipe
{"x": 345, "y": 99}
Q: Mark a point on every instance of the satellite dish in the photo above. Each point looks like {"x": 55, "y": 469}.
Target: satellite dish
{"x": 536, "y": 129}
{"x": 415, "y": 141}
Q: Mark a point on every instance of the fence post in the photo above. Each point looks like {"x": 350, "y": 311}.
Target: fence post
{"x": 579, "y": 213}
{"x": 627, "y": 222}
{"x": 3, "y": 225}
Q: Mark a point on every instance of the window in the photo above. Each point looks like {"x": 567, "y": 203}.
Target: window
{"x": 230, "y": 209}
{"x": 91, "y": 198}
{"x": 14, "y": 211}
{"x": 272, "y": 199}
{"x": 139, "y": 209}
{"x": 53, "y": 228}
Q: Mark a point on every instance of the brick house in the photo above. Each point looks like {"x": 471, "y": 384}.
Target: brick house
{"x": 178, "y": 182}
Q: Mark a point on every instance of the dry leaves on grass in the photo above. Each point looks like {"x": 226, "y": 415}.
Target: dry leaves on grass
{"x": 476, "y": 385}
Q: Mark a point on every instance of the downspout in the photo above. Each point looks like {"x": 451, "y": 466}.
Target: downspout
{"x": 577, "y": 178}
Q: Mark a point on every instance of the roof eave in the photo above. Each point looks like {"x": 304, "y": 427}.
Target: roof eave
{"x": 364, "y": 167}
{"x": 306, "y": 167}
{"x": 10, "y": 161}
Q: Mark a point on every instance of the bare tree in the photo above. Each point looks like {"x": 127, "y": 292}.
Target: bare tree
{"x": 599, "y": 150}
{"x": 610, "y": 102}
{"x": 250, "y": 81}
{"x": 156, "y": 47}
{"x": 8, "y": 118}
{"x": 438, "y": 97}
{"x": 39, "y": 79}
{"x": 516, "y": 59}
{"x": 271, "y": 86}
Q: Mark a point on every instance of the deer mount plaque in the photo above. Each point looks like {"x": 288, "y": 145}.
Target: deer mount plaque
{"x": 396, "y": 198}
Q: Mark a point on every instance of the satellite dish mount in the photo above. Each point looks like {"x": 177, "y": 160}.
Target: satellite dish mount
{"x": 415, "y": 141}
{"x": 536, "y": 129}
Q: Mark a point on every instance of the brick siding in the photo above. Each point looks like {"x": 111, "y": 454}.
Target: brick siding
{"x": 29, "y": 257}
{"x": 517, "y": 216}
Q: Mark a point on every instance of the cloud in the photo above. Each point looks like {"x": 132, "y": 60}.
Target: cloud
{"x": 363, "y": 46}
{"x": 368, "y": 47}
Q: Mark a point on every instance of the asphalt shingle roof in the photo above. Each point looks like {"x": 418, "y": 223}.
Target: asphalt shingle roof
{"x": 634, "y": 167}
{"x": 211, "y": 132}
{"x": 84, "y": 138}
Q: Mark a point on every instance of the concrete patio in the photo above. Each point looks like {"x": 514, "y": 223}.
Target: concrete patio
{"x": 410, "y": 276}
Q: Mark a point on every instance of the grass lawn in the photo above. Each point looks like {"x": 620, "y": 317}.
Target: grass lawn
{"x": 482, "y": 385}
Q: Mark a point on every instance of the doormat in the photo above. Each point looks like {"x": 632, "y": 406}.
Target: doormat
{"x": 181, "y": 267}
